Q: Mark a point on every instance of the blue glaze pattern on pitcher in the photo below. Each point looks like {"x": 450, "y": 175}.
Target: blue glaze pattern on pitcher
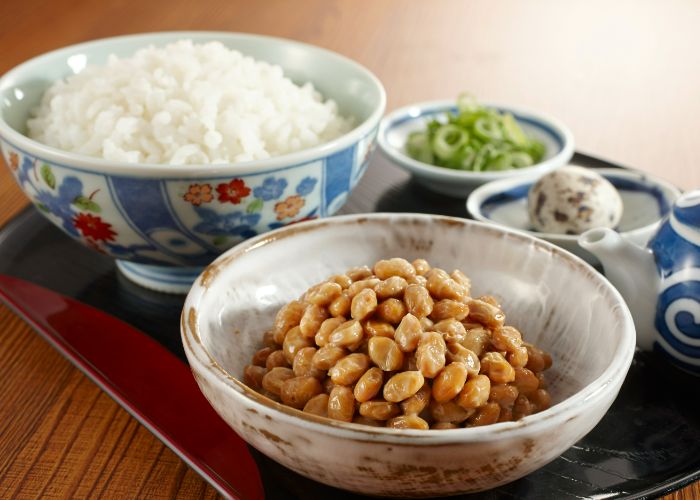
{"x": 676, "y": 249}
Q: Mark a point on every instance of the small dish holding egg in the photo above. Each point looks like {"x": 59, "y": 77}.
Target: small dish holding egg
{"x": 496, "y": 142}
{"x": 633, "y": 207}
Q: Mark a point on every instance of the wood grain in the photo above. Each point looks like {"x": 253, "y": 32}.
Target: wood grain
{"x": 623, "y": 75}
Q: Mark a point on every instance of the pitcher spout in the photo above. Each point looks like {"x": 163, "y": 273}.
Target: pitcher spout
{"x": 632, "y": 270}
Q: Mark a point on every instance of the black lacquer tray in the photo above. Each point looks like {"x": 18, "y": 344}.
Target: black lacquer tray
{"x": 648, "y": 443}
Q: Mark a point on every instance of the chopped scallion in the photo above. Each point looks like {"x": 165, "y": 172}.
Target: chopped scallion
{"x": 475, "y": 139}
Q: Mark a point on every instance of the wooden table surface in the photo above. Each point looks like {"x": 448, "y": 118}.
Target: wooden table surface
{"x": 624, "y": 76}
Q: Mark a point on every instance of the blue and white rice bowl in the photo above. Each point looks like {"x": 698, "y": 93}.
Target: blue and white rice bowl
{"x": 163, "y": 223}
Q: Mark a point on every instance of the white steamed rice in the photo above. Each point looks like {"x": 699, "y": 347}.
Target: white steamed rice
{"x": 184, "y": 103}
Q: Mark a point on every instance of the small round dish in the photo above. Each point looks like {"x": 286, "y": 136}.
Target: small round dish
{"x": 396, "y": 126}
{"x": 646, "y": 200}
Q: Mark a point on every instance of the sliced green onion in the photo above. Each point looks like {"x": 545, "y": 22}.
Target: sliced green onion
{"x": 513, "y": 132}
{"x": 467, "y": 103}
{"x": 520, "y": 159}
{"x": 501, "y": 162}
{"x": 536, "y": 150}
{"x": 433, "y": 125}
{"x": 487, "y": 130}
{"x": 482, "y": 158}
{"x": 448, "y": 140}
{"x": 509, "y": 161}
{"x": 467, "y": 156}
{"x": 476, "y": 139}
{"x": 476, "y": 143}
{"x": 418, "y": 147}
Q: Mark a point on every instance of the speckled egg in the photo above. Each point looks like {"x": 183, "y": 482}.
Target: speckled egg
{"x": 571, "y": 200}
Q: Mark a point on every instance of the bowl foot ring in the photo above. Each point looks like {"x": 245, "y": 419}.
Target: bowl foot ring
{"x": 160, "y": 278}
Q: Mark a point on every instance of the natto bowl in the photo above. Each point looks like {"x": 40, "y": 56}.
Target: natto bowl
{"x": 165, "y": 222}
{"x": 540, "y": 286}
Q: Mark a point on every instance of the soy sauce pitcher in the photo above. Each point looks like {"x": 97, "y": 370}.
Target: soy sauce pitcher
{"x": 660, "y": 283}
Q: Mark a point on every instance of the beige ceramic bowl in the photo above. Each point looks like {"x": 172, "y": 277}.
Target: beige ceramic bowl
{"x": 554, "y": 298}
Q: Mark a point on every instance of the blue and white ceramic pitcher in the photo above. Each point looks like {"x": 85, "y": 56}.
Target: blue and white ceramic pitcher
{"x": 660, "y": 283}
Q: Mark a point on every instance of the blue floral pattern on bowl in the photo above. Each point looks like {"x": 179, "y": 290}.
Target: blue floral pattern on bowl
{"x": 184, "y": 222}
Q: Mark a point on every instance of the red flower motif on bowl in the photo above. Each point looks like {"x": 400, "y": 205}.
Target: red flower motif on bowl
{"x": 233, "y": 191}
{"x": 93, "y": 227}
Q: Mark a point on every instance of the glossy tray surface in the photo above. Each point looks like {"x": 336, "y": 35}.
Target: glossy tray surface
{"x": 646, "y": 445}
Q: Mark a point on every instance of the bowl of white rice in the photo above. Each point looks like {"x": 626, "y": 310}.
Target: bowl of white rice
{"x": 163, "y": 150}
